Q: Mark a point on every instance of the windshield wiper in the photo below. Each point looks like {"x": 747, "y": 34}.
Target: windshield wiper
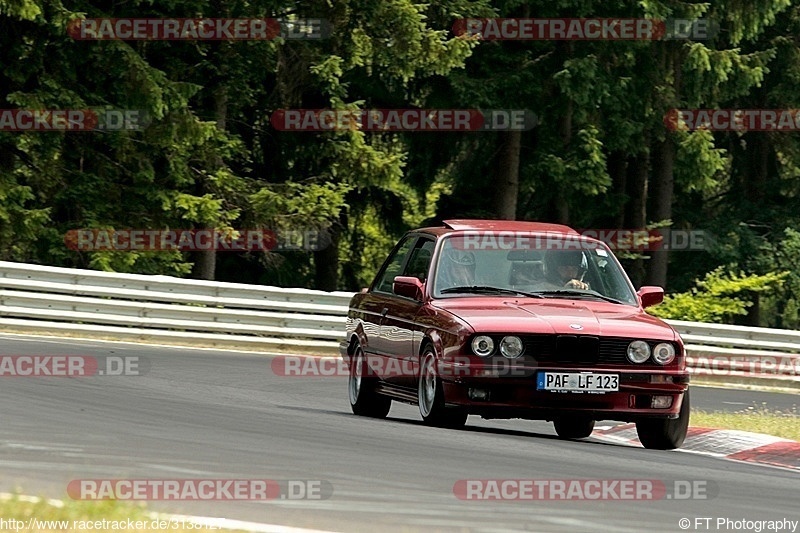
{"x": 486, "y": 289}
{"x": 591, "y": 294}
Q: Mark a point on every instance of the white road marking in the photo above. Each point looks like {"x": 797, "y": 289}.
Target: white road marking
{"x": 91, "y": 342}
{"x": 41, "y": 448}
{"x": 178, "y": 470}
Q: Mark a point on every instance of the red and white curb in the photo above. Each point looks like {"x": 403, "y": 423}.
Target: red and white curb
{"x": 725, "y": 443}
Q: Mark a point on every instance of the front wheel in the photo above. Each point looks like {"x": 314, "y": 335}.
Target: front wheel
{"x": 364, "y": 401}
{"x": 665, "y": 434}
{"x": 573, "y": 427}
{"x": 431, "y": 396}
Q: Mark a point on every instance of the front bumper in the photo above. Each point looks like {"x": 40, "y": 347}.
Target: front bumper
{"x": 517, "y": 396}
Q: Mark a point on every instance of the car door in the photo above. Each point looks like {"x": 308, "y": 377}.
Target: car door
{"x": 380, "y": 298}
{"x": 400, "y": 334}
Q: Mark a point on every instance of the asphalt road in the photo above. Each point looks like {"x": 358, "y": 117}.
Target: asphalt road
{"x": 729, "y": 400}
{"x": 207, "y": 414}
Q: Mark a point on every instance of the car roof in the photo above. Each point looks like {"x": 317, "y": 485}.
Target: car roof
{"x": 498, "y": 225}
{"x": 508, "y": 225}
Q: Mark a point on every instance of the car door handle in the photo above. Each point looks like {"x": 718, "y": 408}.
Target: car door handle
{"x": 384, "y": 312}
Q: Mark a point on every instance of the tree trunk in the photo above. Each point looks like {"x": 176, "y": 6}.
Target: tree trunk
{"x": 758, "y": 162}
{"x": 663, "y": 186}
{"x": 616, "y": 165}
{"x": 562, "y": 209}
{"x": 636, "y": 187}
{"x": 753, "y": 316}
{"x": 326, "y": 261}
{"x": 636, "y": 208}
{"x": 663, "y": 183}
{"x": 565, "y": 132}
{"x": 507, "y": 175}
{"x": 205, "y": 264}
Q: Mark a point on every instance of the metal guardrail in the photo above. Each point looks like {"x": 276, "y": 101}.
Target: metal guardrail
{"x": 164, "y": 309}
{"x": 43, "y": 299}
{"x": 741, "y": 354}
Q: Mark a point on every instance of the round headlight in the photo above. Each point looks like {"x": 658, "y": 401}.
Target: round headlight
{"x": 638, "y": 351}
{"x": 511, "y": 347}
{"x": 664, "y": 353}
{"x": 483, "y": 346}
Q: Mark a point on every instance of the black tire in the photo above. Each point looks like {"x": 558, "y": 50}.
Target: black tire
{"x": 364, "y": 401}
{"x": 430, "y": 396}
{"x": 573, "y": 427}
{"x": 665, "y": 434}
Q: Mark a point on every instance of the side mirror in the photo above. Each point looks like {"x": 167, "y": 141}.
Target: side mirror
{"x": 650, "y": 296}
{"x": 408, "y": 286}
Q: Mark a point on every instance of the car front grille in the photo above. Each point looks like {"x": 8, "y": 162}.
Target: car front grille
{"x": 579, "y": 349}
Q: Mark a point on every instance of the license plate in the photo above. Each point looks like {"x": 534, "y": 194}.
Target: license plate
{"x": 577, "y": 381}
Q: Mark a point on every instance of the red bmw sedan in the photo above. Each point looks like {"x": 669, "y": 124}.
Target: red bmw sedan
{"x": 507, "y": 319}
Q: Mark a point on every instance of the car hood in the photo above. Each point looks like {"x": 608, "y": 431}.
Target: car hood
{"x": 556, "y": 316}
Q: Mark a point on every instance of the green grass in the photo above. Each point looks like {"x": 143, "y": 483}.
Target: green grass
{"x": 24, "y": 509}
{"x": 757, "y": 419}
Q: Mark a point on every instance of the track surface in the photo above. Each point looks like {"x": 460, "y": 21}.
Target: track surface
{"x": 206, "y": 414}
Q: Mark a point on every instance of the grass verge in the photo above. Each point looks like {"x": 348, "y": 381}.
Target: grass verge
{"x": 36, "y": 515}
{"x": 757, "y": 419}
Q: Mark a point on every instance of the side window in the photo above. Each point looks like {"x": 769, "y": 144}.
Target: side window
{"x": 420, "y": 260}
{"x": 394, "y": 265}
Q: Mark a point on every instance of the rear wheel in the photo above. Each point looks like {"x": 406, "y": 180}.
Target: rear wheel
{"x": 573, "y": 427}
{"x": 430, "y": 396}
{"x": 364, "y": 401}
{"x": 665, "y": 434}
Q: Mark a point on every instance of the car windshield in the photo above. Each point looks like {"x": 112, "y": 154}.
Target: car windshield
{"x": 530, "y": 265}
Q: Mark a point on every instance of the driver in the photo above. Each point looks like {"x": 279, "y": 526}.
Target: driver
{"x": 456, "y": 269}
{"x": 565, "y": 269}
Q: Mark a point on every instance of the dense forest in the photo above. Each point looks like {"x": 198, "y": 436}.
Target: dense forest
{"x": 601, "y": 155}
